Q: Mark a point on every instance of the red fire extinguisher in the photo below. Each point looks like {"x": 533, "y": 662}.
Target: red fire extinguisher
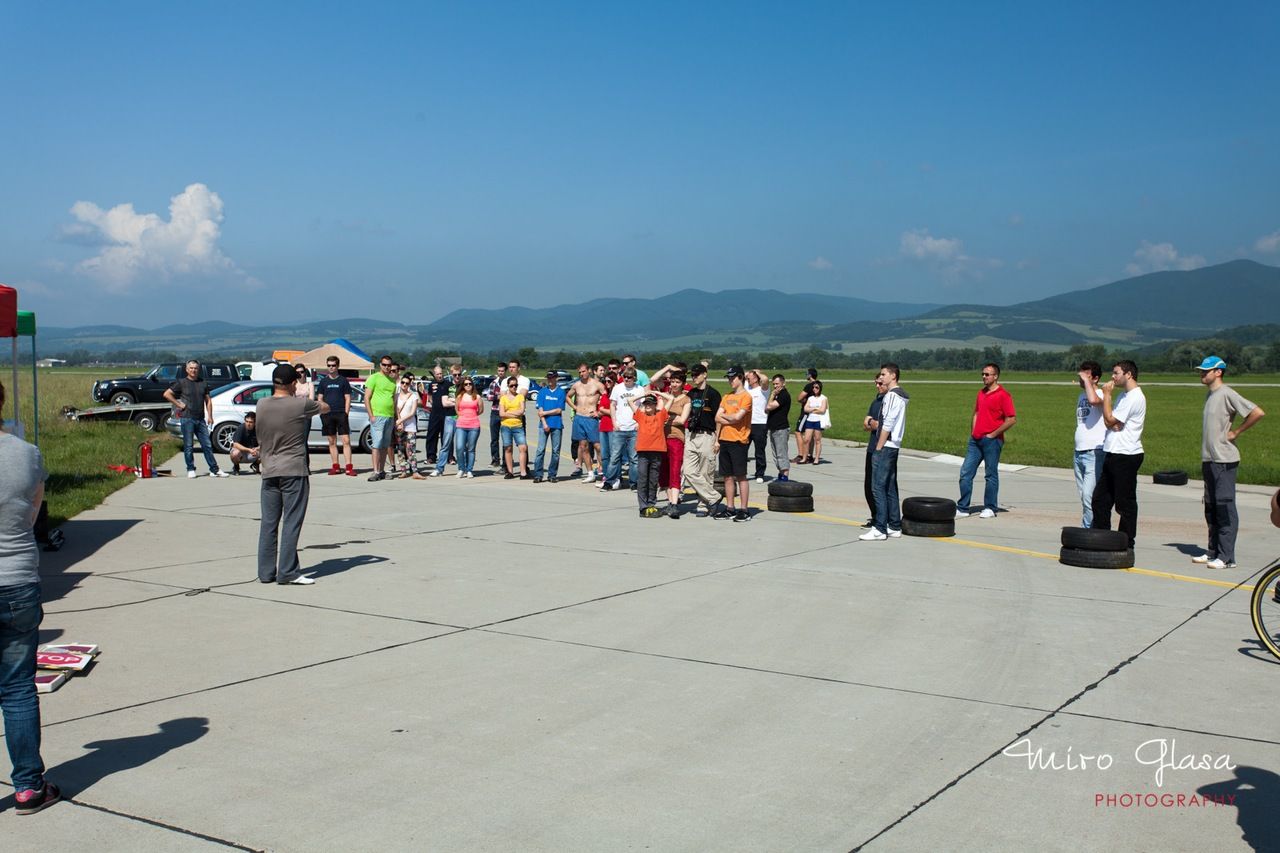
{"x": 144, "y": 460}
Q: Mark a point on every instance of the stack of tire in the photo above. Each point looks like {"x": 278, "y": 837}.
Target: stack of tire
{"x": 934, "y": 517}
{"x": 1095, "y": 549}
{"x": 790, "y": 496}
{"x": 1170, "y": 478}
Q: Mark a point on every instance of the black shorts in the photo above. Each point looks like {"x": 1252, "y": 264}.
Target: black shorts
{"x": 733, "y": 460}
{"x": 335, "y": 423}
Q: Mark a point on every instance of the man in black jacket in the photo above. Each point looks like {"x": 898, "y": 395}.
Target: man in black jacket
{"x": 699, "y": 458}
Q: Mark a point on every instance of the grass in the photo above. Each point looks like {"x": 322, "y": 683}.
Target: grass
{"x": 76, "y": 455}
{"x": 939, "y": 417}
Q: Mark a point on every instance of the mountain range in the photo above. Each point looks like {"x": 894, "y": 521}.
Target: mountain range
{"x": 1133, "y": 312}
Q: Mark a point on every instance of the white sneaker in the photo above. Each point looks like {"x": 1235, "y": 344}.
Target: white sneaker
{"x": 434, "y": 474}
{"x": 987, "y": 513}
{"x": 1201, "y": 559}
{"x": 577, "y": 472}
{"x": 759, "y": 479}
{"x": 590, "y": 478}
{"x": 462, "y": 474}
{"x": 219, "y": 473}
{"x": 191, "y": 475}
{"x": 873, "y": 535}
{"x": 1219, "y": 563}
{"x": 303, "y": 580}
{"x": 471, "y": 475}
{"x": 962, "y": 514}
{"x": 893, "y": 534}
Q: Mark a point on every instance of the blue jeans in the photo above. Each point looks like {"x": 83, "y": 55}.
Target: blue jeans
{"x": 623, "y": 443}
{"x": 1087, "y": 464}
{"x": 986, "y": 451}
{"x": 553, "y": 437}
{"x": 20, "y": 615}
{"x": 884, "y": 483}
{"x": 446, "y": 444}
{"x": 606, "y": 453}
{"x": 464, "y": 447}
{"x": 193, "y": 428}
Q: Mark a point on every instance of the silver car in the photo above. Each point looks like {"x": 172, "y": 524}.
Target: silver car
{"x": 232, "y": 402}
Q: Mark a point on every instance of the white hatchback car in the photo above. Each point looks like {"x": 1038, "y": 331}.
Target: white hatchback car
{"x": 231, "y": 402}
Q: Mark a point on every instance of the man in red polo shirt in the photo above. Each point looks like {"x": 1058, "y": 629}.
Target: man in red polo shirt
{"x": 993, "y": 415}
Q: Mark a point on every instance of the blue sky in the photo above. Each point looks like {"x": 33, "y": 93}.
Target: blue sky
{"x": 308, "y": 161}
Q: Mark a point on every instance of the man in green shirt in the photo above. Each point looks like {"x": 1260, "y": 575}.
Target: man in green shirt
{"x": 380, "y": 399}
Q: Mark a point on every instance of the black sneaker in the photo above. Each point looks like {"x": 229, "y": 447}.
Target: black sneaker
{"x": 235, "y": 470}
{"x": 376, "y": 476}
{"x": 508, "y": 476}
{"x": 255, "y": 468}
{"x": 527, "y": 477}
{"x": 742, "y": 515}
{"x": 536, "y": 479}
{"x": 673, "y": 512}
{"x": 553, "y": 479}
{"x": 719, "y": 511}
{"x": 30, "y": 802}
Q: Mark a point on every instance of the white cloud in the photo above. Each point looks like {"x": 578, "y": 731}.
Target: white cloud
{"x": 944, "y": 254}
{"x": 142, "y": 246}
{"x": 821, "y": 264}
{"x": 1156, "y": 257}
{"x": 1269, "y": 243}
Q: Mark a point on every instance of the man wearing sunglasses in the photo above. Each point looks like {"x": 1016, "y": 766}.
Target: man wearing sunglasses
{"x": 629, "y": 363}
{"x": 335, "y": 390}
{"x": 380, "y": 397}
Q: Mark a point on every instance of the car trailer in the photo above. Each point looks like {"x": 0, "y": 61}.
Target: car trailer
{"x": 148, "y": 416}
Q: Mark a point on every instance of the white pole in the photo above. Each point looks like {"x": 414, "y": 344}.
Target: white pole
{"x": 17, "y": 416}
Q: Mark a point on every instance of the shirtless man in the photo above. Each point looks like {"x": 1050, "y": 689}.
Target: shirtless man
{"x": 585, "y": 395}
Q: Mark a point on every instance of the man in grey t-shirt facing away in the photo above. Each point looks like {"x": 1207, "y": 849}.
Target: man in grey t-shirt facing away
{"x": 21, "y": 493}
{"x": 283, "y": 423}
{"x": 1219, "y": 459}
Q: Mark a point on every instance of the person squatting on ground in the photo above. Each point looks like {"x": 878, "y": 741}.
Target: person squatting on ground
{"x": 734, "y": 424}
{"x": 284, "y": 420}
{"x": 651, "y": 447}
{"x": 884, "y": 460}
{"x": 585, "y": 395}
{"x": 1219, "y": 459}
{"x": 1091, "y": 431}
{"x": 469, "y": 407}
{"x": 380, "y": 396}
{"x": 871, "y": 424}
{"x": 816, "y": 419}
{"x": 993, "y": 416}
{"x": 1122, "y": 452}
{"x": 407, "y": 428}
{"x": 244, "y": 445}
{"x": 335, "y": 390}
{"x": 189, "y": 394}
{"x": 759, "y": 420}
{"x": 549, "y": 401}
{"x": 700, "y": 443}
{"x": 22, "y": 477}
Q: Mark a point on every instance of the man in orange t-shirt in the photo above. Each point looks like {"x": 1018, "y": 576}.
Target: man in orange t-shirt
{"x": 733, "y": 434}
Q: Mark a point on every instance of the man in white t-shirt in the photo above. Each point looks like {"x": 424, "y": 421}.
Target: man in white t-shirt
{"x": 1122, "y": 452}
{"x": 756, "y": 387}
{"x": 1091, "y": 429}
{"x": 624, "y": 430}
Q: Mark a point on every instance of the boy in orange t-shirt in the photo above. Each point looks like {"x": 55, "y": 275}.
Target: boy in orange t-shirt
{"x": 733, "y": 434}
{"x": 651, "y": 448}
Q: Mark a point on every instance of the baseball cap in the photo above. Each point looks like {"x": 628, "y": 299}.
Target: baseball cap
{"x": 552, "y": 373}
{"x": 698, "y": 369}
{"x": 734, "y": 371}
{"x": 1212, "y": 362}
{"x": 284, "y": 374}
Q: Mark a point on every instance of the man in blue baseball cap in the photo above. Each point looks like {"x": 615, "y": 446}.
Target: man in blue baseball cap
{"x": 1219, "y": 459}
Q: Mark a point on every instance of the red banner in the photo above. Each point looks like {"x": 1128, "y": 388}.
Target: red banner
{"x": 8, "y": 312}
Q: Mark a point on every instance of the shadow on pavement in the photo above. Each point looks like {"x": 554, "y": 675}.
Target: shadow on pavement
{"x": 83, "y": 539}
{"x": 126, "y": 753}
{"x": 342, "y": 564}
{"x": 1186, "y": 548}
{"x": 1256, "y": 793}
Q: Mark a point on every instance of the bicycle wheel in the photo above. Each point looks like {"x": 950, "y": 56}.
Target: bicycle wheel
{"x": 1264, "y": 609}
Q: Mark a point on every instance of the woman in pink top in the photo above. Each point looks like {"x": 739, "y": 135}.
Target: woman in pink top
{"x": 469, "y": 407}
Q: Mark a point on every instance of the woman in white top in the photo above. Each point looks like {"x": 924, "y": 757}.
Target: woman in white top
{"x": 816, "y": 420}
{"x": 407, "y": 427}
{"x": 759, "y": 418}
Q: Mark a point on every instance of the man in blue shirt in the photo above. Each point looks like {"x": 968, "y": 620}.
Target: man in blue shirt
{"x": 550, "y": 403}
{"x": 335, "y": 390}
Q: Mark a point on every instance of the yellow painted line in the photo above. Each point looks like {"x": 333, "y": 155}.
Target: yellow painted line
{"x": 1040, "y": 554}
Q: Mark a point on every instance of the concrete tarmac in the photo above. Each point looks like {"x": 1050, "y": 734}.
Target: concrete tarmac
{"x": 497, "y": 665}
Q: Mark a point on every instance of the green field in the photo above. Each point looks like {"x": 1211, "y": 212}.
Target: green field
{"x": 940, "y": 414}
{"x": 76, "y": 455}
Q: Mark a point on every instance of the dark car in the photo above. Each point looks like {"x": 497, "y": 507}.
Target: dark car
{"x": 150, "y": 387}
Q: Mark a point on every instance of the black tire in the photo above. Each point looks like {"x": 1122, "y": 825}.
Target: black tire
{"x": 1264, "y": 610}
{"x": 1086, "y": 539}
{"x": 783, "y": 503}
{"x": 911, "y": 527}
{"x": 121, "y": 398}
{"x": 149, "y": 421}
{"x": 366, "y": 440}
{"x": 221, "y": 436}
{"x": 929, "y": 509}
{"x": 1169, "y": 478}
{"x": 1096, "y": 559}
{"x": 790, "y": 489}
